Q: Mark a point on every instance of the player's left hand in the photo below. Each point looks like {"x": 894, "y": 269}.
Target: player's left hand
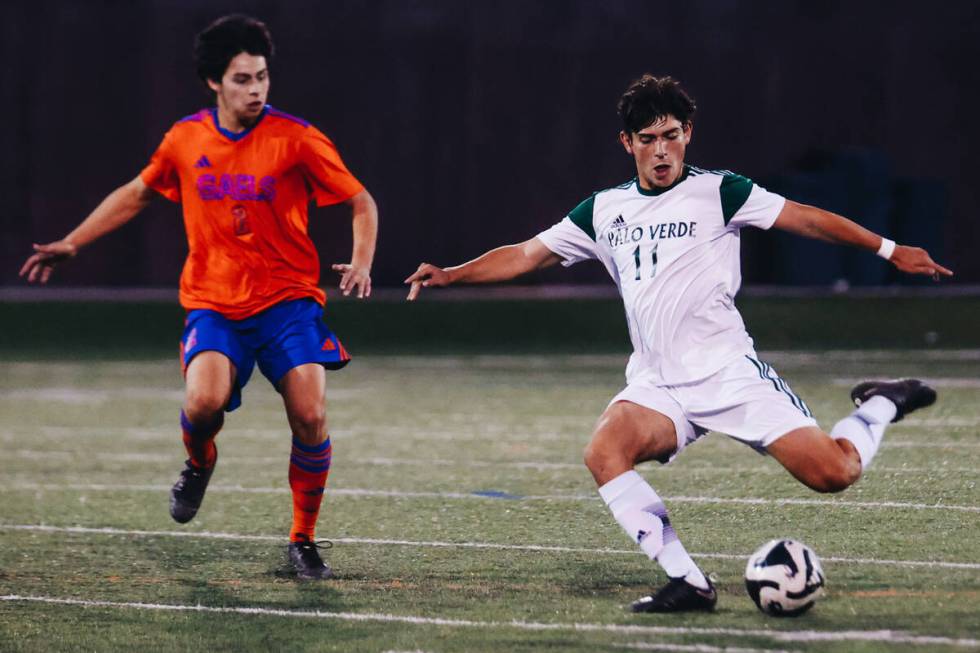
{"x": 354, "y": 278}
{"x": 915, "y": 260}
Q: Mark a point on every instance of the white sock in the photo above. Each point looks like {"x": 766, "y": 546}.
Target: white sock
{"x": 642, "y": 514}
{"x": 865, "y": 427}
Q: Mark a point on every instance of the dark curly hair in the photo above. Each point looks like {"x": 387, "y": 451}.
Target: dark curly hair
{"x": 225, "y": 39}
{"x": 649, "y": 98}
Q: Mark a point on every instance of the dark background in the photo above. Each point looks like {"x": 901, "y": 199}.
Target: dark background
{"x": 478, "y": 124}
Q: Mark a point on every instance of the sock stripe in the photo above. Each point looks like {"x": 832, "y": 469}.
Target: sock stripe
{"x": 306, "y": 466}
{"x": 201, "y": 430}
{"x": 658, "y": 510}
{"x": 311, "y": 458}
{"x": 312, "y": 448}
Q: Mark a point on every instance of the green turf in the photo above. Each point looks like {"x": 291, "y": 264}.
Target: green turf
{"x": 132, "y": 330}
{"x": 93, "y": 445}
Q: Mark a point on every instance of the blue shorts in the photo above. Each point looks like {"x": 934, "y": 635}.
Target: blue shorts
{"x": 284, "y": 336}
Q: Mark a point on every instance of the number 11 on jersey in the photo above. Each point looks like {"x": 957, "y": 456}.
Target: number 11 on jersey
{"x": 653, "y": 259}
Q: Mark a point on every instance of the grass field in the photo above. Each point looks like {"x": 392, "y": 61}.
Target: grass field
{"x": 462, "y": 518}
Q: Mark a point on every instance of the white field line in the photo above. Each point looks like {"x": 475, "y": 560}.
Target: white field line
{"x": 697, "y": 648}
{"x": 493, "y": 496}
{"x": 821, "y": 358}
{"x": 535, "y": 465}
{"x": 499, "y": 433}
{"x": 502, "y": 434}
{"x": 938, "y": 382}
{"x": 949, "y": 421}
{"x": 42, "y": 528}
{"x": 941, "y": 444}
{"x": 888, "y": 636}
{"x": 782, "y": 356}
{"x": 166, "y": 436}
{"x": 41, "y": 454}
{"x": 89, "y": 396}
{"x": 76, "y": 395}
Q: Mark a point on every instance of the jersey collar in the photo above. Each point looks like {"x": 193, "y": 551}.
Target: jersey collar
{"x": 661, "y": 191}
{"x": 237, "y": 136}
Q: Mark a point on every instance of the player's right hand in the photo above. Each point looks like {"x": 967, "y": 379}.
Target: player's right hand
{"x": 915, "y": 260}
{"x": 40, "y": 265}
{"x": 427, "y": 275}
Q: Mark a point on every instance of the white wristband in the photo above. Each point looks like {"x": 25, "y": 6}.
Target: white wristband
{"x": 887, "y": 248}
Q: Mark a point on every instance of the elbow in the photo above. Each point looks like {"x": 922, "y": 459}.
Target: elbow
{"x": 140, "y": 194}
{"x": 363, "y": 204}
{"x": 536, "y": 255}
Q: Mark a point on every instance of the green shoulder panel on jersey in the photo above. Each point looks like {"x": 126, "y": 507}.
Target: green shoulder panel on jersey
{"x": 581, "y": 215}
{"x": 735, "y": 190}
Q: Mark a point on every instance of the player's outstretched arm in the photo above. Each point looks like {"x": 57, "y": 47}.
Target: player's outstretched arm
{"x": 118, "y": 208}
{"x": 809, "y": 221}
{"x": 500, "y": 264}
{"x": 356, "y": 275}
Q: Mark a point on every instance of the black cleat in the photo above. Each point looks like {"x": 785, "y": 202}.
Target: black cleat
{"x": 678, "y": 595}
{"x": 305, "y": 560}
{"x": 907, "y": 394}
{"x": 188, "y": 492}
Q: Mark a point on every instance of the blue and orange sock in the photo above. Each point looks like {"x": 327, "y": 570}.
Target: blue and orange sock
{"x": 199, "y": 440}
{"x": 308, "y": 469}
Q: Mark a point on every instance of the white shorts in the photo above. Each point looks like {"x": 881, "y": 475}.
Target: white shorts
{"x": 746, "y": 400}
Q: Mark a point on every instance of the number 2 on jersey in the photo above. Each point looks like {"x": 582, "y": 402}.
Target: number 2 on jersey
{"x": 653, "y": 259}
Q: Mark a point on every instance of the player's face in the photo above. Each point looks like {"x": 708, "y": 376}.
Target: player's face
{"x": 658, "y": 150}
{"x": 243, "y": 90}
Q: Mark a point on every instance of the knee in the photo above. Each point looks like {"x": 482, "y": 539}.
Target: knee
{"x": 608, "y": 457}
{"x": 308, "y": 423}
{"x": 619, "y": 443}
{"x": 835, "y": 476}
{"x": 204, "y": 405}
{"x": 596, "y": 456}
{"x": 603, "y": 448}
{"x": 605, "y": 462}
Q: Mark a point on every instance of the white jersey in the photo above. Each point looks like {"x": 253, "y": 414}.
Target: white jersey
{"x": 674, "y": 253}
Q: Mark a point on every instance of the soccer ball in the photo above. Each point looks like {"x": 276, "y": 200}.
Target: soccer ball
{"x": 784, "y": 578}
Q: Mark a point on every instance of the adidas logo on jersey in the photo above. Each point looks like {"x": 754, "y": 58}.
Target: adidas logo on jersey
{"x": 618, "y": 222}
{"x": 203, "y": 162}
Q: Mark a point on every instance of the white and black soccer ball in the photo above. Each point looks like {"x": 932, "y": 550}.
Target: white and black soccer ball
{"x": 784, "y": 578}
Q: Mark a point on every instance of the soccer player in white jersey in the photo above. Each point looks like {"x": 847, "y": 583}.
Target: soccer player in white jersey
{"x": 670, "y": 240}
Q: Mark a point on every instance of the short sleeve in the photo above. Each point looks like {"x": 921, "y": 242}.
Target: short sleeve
{"x": 161, "y": 173}
{"x": 745, "y": 204}
{"x": 323, "y": 168}
{"x": 573, "y": 238}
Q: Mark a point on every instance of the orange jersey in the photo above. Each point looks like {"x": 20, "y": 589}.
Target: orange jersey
{"x": 245, "y": 198}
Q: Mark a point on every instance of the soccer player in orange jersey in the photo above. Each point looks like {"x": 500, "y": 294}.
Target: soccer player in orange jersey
{"x": 245, "y": 174}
